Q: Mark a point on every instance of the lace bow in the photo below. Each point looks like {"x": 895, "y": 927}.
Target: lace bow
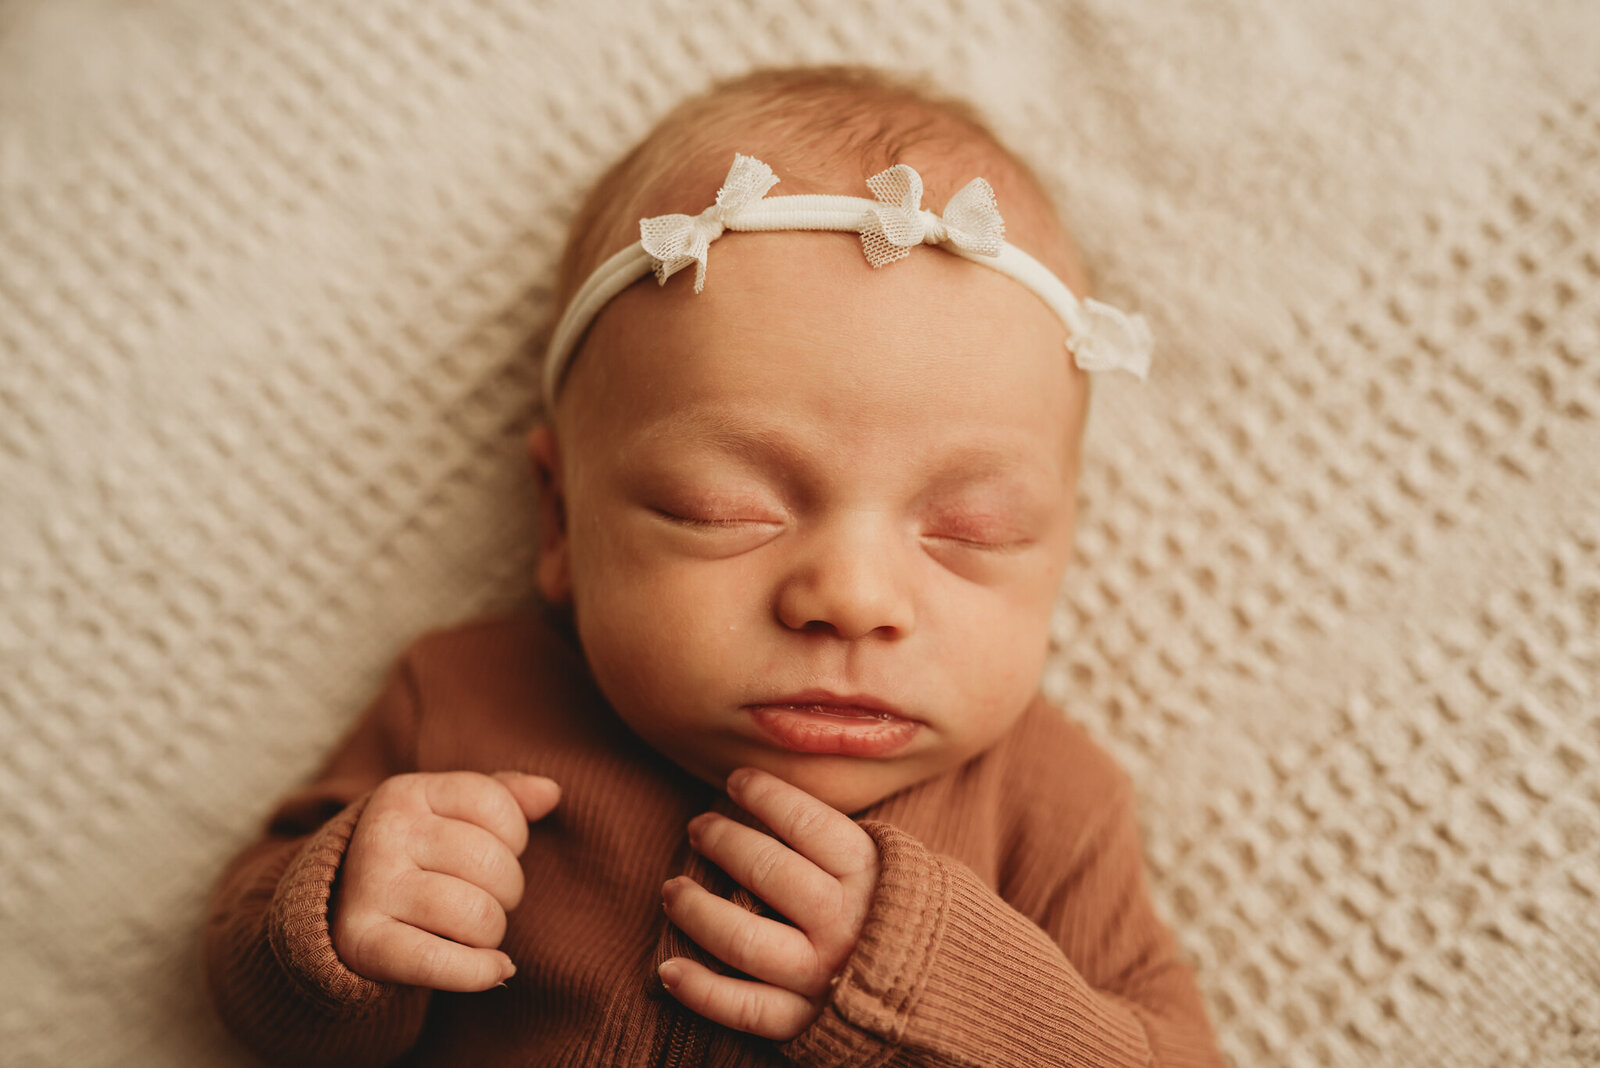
{"x": 1111, "y": 340}
{"x": 676, "y": 241}
{"x": 971, "y": 220}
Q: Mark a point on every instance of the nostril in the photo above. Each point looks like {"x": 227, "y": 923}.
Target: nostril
{"x": 819, "y": 626}
{"x": 849, "y": 633}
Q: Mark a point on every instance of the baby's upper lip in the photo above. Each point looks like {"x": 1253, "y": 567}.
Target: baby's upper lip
{"x": 845, "y": 703}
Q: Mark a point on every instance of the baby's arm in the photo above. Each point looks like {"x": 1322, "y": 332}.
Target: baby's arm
{"x": 942, "y": 970}
{"x": 947, "y": 971}
{"x": 276, "y": 978}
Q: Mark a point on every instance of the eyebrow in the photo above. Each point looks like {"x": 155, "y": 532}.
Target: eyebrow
{"x": 736, "y": 433}
{"x": 725, "y": 431}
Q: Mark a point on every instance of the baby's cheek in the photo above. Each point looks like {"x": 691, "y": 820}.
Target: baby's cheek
{"x": 654, "y": 631}
{"x": 1002, "y": 659}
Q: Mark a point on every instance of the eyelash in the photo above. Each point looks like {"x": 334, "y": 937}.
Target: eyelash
{"x": 1014, "y": 545}
{"x": 974, "y": 544}
{"x": 705, "y": 524}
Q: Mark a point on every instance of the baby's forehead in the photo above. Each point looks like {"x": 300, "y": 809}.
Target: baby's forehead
{"x": 788, "y": 316}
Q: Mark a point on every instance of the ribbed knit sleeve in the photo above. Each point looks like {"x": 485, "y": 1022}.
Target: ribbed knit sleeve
{"x": 270, "y": 961}
{"x": 948, "y": 973}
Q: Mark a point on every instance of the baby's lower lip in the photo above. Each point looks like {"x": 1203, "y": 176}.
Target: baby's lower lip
{"x": 833, "y": 729}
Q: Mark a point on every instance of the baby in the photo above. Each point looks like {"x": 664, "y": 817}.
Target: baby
{"x": 769, "y": 782}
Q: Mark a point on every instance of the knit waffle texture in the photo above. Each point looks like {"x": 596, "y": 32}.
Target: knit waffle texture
{"x": 274, "y": 275}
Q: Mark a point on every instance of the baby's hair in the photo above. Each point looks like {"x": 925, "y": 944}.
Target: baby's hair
{"x": 814, "y": 125}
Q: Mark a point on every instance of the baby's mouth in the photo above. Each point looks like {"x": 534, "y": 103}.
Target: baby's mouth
{"x": 825, "y": 723}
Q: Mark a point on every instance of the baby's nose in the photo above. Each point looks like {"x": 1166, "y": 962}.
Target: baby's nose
{"x": 851, "y": 580}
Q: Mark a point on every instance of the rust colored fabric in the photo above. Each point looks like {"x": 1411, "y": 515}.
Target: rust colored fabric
{"x": 1010, "y": 925}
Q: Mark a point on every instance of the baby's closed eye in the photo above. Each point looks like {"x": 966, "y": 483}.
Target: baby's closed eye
{"x": 715, "y": 521}
{"x": 986, "y": 519}
{"x": 717, "y": 508}
{"x": 979, "y": 530}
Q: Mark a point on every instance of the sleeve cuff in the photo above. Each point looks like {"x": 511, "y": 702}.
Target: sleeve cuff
{"x": 874, "y": 994}
{"x": 944, "y": 967}
{"x": 297, "y": 920}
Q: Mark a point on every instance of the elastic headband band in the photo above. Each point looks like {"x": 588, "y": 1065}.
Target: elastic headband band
{"x": 1100, "y": 337}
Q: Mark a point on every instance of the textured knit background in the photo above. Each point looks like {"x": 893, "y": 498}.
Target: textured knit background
{"x": 266, "y": 274}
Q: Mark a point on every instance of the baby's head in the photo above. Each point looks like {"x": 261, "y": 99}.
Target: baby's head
{"x": 813, "y": 518}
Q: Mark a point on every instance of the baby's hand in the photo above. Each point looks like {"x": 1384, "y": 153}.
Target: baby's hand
{"x": 429, "y": 876}
{"x": 822, "y": 882}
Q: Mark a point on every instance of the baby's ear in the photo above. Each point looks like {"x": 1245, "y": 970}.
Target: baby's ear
{"x": 554, "y": 572}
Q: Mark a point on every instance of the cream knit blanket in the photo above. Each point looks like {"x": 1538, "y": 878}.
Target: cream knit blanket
{"x": 266, "y": 273}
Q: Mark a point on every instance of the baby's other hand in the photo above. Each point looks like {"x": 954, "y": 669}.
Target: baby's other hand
{"x": 821, "y": 881}
{"x": 431, "y": 871}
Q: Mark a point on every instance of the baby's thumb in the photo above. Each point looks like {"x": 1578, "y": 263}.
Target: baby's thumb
{"x": 536, "y": 794}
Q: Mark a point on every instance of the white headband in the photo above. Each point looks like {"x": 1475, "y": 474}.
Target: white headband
{"x": 1100, "y": 337}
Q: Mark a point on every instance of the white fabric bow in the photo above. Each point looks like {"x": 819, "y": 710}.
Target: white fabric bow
{"x": 1111, "y": 340}
{"x": 676, "y": 241}
{"x": 971, "y": 219}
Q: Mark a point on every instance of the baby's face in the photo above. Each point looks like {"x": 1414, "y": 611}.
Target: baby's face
{"x": 813, "y": 519}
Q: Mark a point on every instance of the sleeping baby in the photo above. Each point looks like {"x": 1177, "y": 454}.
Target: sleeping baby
{"x": 767, "y": 779}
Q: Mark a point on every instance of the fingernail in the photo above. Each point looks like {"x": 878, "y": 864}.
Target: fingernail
{"x": 507, "y": 972}
{"x": 696, "y": 826}
{"x": 670, "y": 890}
{"x": 737, "y": 779}
{"x": 671, "y": 972}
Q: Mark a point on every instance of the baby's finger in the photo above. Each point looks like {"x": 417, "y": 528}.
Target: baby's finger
{"x": 765, "y": 949}
{"x": 819, "y": 832}
{"x": 742, "y": 1004}
{"x": 394, "y": 952}
{"x": 480, "y": 800}
{"x": 790, "y": 884}
{"x": 468, "y": 852}
{"x": 448, "y": 907}
{"x": 536, "y": 794}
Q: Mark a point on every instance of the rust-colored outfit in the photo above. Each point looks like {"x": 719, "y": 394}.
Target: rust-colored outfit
{"x": 1010, "y": 924}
